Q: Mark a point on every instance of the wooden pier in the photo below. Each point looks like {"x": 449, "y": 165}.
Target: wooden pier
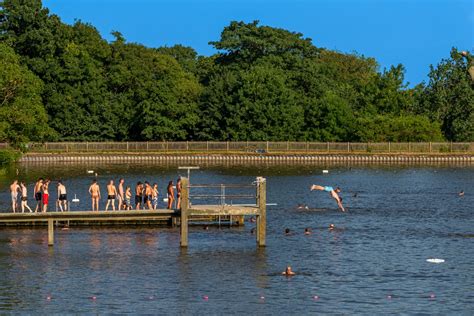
{"x": 188, "y": 213}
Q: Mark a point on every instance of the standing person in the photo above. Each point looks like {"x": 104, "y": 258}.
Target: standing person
{"x": 14, "y": 189}
{"x": 128, "y": 199}
{"x": 148, "y": 195}
{"x": 178, "y": 193}
{"x": 62, "y": 196}
{"x": 94, "y": 191}
{"x": 332, "y": 192}
{"x": 154, "y": 196}
{"x": 170, "y": 191}
{"x": 45, "y": 189}
{"x": 24, "y": 197}
{"x": 111, "y": 195}
{"x": 38, "y": 194}
{"x": 138, "y": 195}
{"x": 121, "y": 195}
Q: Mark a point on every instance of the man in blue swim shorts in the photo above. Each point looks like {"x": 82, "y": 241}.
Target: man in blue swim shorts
{"x": 332, "y": 192}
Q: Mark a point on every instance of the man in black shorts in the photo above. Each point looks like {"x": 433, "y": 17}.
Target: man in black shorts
{"x": 138, "y": 195}
{"x": 62, "y": 196}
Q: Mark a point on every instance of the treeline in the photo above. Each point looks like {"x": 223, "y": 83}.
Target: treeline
{"x": 65, "y": 82}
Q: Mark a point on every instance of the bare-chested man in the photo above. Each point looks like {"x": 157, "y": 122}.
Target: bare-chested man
{"x": 332, "y": 192}
{"x": 38, "y": 194}
{"x": 170, "y": 191}
{"x": 62, "y": 196}
{"x": 24, "y": 197}
{"x": 111, "y": 195}
{"x": 121, "y": 195}
{"x": 94, "y": 191}
{"x": 45, "y": 190}
{"x": 14, "y": 189}
{"x": 138, "y": 195}
{"x": 148, "y": 195}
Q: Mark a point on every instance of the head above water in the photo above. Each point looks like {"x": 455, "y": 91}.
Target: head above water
{"x": 170, "y": 183}
{"x": 111, "y": 182}
{"x": 338, "y": 189}
{"x": 287, "y": 231}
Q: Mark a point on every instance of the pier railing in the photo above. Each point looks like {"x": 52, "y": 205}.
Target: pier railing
{"x": 248, "y": 147}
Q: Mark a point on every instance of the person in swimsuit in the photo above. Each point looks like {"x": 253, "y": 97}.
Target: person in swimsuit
{"x": 128, "y": 198}
{"x": 288, "y": 272}
{"x": 62, "y": 196}
{"x": 154, "y": 196}
{"x": 178, "y": 193}
{"x": 111, "y": 195}
{"x": 170, "y": 191}
{"x": 332, "y": 192}
{"x": 45, "y": 189}
{"x": 38, "y": 194}
{"x": 94, "y": 191}
{"x": 14, "y": 189}
{"x": 121, "y": 195}
{"x": 148, "y": 195}
{"x": 24, "y": 197}
{"x": 138, "y": 195}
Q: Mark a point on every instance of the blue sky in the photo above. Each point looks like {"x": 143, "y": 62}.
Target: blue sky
{"x": 416, "y": 33}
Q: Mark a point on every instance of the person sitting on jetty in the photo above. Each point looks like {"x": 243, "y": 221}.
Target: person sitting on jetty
{"x": 138, "y": 195}
{"x": 94, "y": 191}
{"x": 62, "y": 196}
{"x": 170, "y": 191}
{"x": 14, "y": 189}
{"x": 111, "y": 195}
{"x": 45, "y": 189}
{"x": 332, "y": 192}
{"x": 288, "y": 272}
{"x": 24, "y": 197}
{"x": 38, "y": 194}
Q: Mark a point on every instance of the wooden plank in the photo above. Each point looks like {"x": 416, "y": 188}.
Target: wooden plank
{"x": 184, "y": 212}
{"x": 50, "y": 232}
{"x": 262, "y": 217}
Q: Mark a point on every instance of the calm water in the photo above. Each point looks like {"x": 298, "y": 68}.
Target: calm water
{"x": 400, "y": 217}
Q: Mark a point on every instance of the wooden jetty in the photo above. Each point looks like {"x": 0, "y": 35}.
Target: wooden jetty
{"x": 188, "y": 213}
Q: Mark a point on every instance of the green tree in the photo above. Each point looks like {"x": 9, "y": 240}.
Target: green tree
{"x": 22, "y": 115}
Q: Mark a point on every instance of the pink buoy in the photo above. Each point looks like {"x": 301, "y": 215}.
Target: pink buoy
{"x": 93, "y": 298}
{"x": 432, "y": 296}
{"x": 316, "y": 297}
{"x": 151, "y": 297}
{"x": 48, "y": 298}
{"x": 262, "y": 297}
{"x": 205, "y": 297}
{"x": 389, "y": 297}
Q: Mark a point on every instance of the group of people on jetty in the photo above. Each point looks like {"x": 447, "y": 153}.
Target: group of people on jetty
{"x": 146, "y": 196}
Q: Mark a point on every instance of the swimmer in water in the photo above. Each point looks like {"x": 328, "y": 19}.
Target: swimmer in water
{"x": 332, "y": 192}
{"x": 332, "y": 226}
{"x": 288, "y": 271}
{"x": 303, "y": 207}
{"x": 307, "y": 231}
{"x": 287, "y": 232}
{"x": 461, "y": 193}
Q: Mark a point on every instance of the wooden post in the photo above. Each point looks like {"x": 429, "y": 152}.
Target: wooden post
{"x": 262, "y": 206}
{"x": 184, "y": 211}
{"x": 241, "y": 220}
{"x": 268, "y": 146}
{"x": 50, "y": 232}
{"x": 431, "y": 148}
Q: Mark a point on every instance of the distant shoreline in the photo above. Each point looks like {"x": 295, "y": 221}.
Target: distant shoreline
{"x": 245, "y": 158}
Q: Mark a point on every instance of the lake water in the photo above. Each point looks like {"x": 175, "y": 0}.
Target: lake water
{"x": 373, "y": 263}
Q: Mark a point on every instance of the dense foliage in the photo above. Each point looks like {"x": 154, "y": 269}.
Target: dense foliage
{"x": 65, "y": 82}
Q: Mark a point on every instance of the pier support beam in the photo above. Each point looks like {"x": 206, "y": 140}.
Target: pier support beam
{"x": 184, "y": 211}
{"x": 262, "y": 207}
{"x": 50, "y": 232}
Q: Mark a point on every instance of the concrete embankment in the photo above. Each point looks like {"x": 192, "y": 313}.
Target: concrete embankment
{"x": 244, "y": 159}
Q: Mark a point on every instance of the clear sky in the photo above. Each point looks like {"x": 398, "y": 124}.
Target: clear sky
{"x": 416, "y": 33}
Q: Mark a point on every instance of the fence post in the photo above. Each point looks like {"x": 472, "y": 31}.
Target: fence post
{"x": 348, "y": 147}
{"x": 207, "y": 146}
{"x": 287, "y": 146}
{"x": 268, "y": 147}
{"x": 184, "y": 211}
{"x": 327, "y": 146}
{"x": 187, "y": 146}
{"x": 87, "y": 146}
{"x": 227, "y": 145}
{"x": 389, "y": 147}
{"x": 430, "y": 147}
{"x": 451, "y": 147}
{"x": 147, "y": 146}
{"x": 127, "y": 147}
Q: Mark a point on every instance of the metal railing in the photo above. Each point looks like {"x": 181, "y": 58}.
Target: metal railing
{"x": 262, "y": 147}
{"x": 220, "y": 192}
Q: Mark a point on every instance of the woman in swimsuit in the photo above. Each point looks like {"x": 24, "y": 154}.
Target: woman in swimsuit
{"x": 170, "y": 195}
{"x": 128, "y": 198}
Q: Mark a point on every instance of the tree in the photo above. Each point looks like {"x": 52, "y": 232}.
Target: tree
{"x": 22, "y": 115}
{"x": 449, "y": 97}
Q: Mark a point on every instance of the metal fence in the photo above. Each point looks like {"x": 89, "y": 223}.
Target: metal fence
{"x": 247, "y": 147}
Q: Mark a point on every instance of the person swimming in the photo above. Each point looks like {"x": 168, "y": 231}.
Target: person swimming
{"x": 287, "y": 232}
{"x": 461, "y": 193}
{"x": 332, "y": 192}
{"x": 307, "y": 231}
{"x": 288, "y": 271}
{"x": 332, "y": 226}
